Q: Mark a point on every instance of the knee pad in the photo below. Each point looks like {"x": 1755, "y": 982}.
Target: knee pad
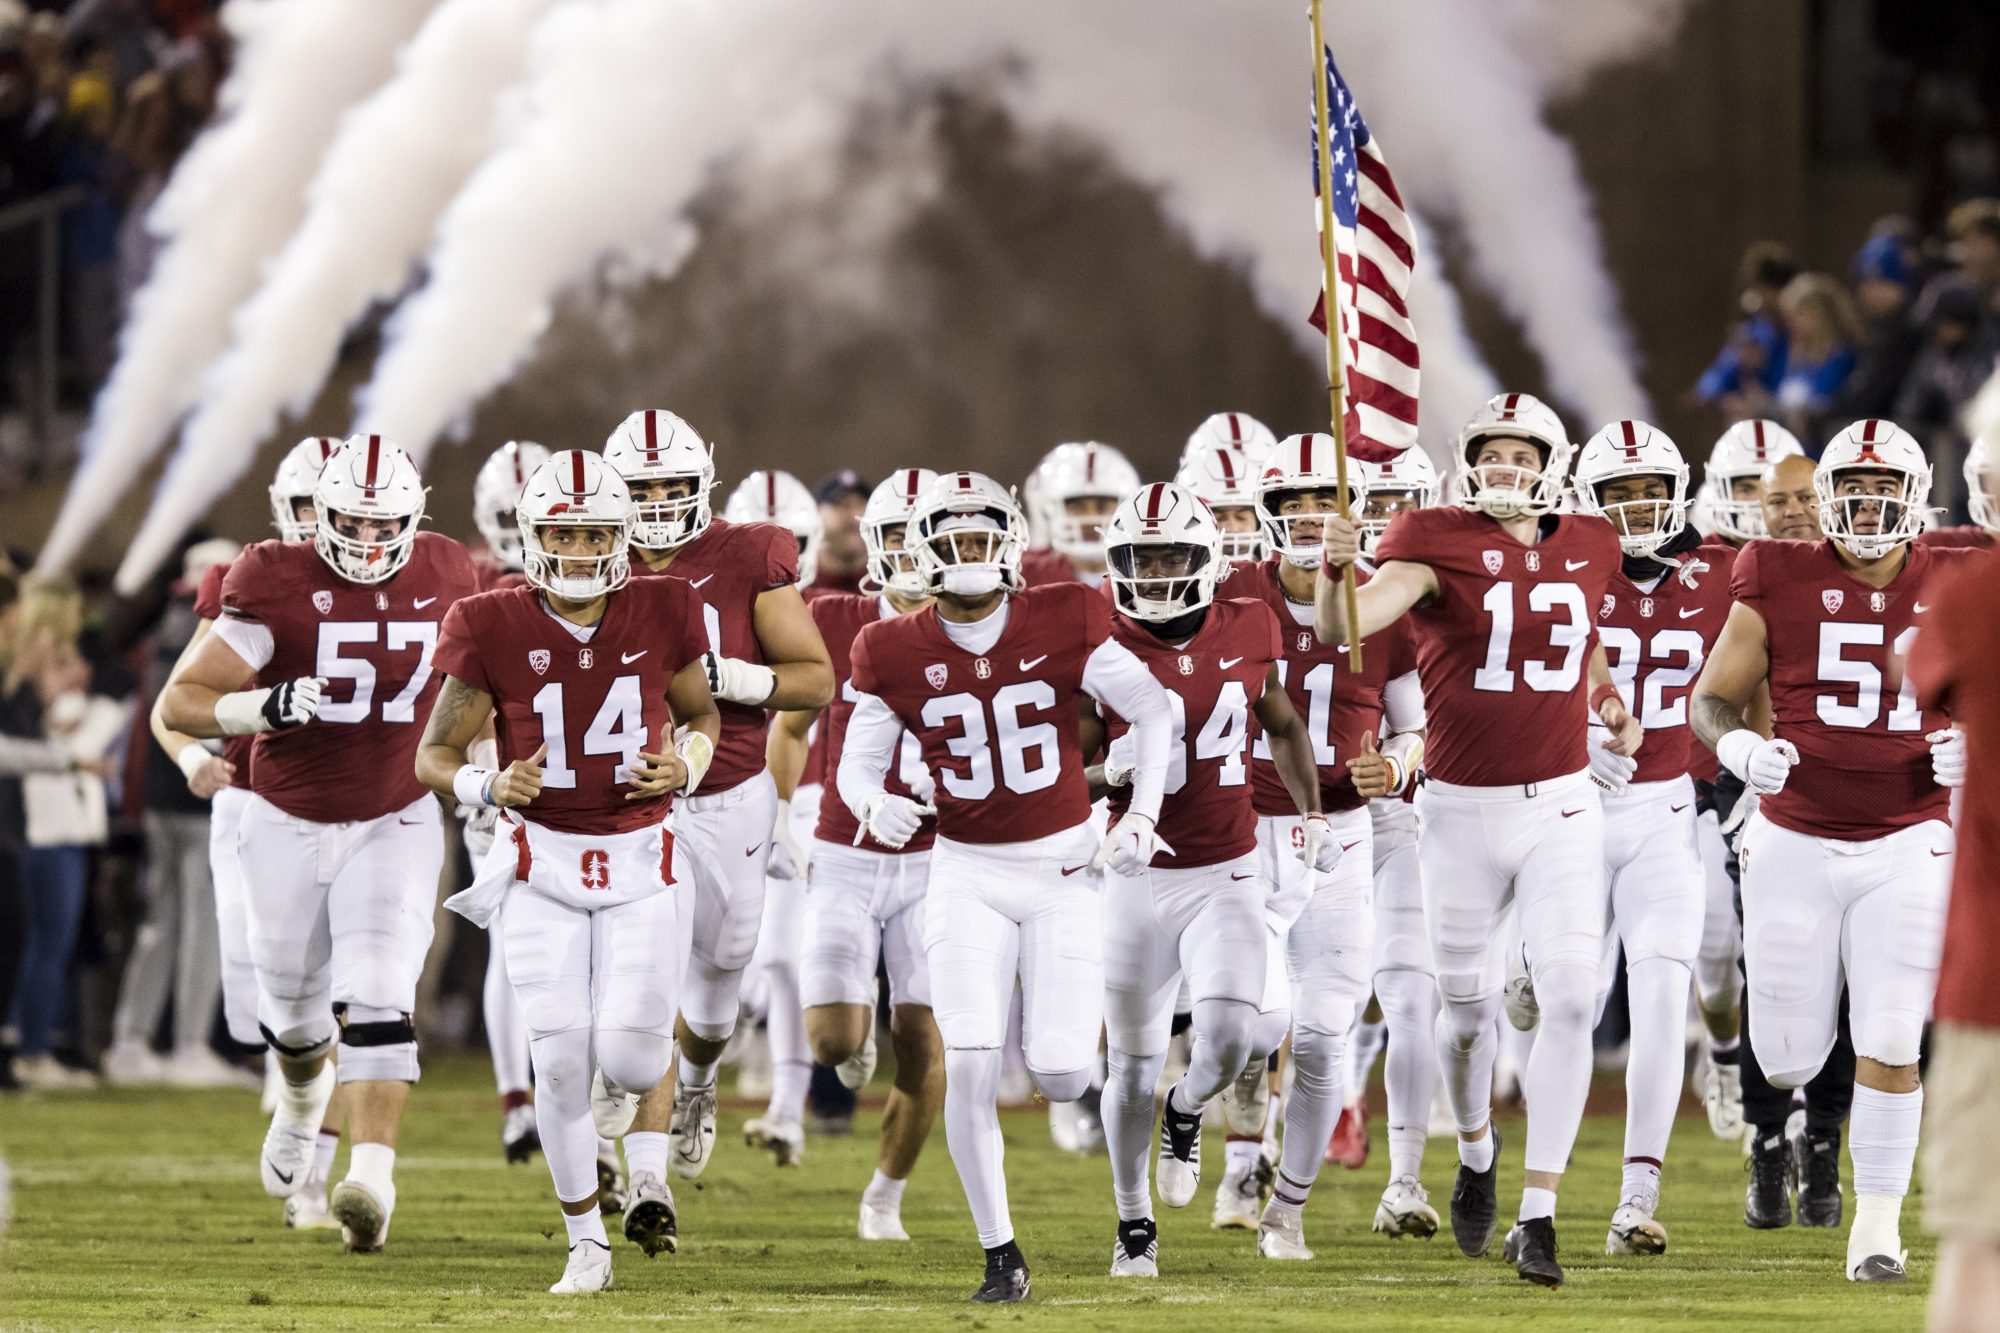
{"x": 1229, "y": 1028}
{"x": 1408, "y": 997}
{"x": 377, "y": 1046}
{"x": 1566, "y": 994}
{"x": 1462, "y": 988}
{"x": 1317, "y": 1055}
{"x": 1061, "y": 1087}
{"x": 1466, "y": 1022}
{"x": 1269, "y": 1033}
{"x": 562, "y": 1070}
{"x": 709, "y": 1000}
{"x": 634, "y": 1061}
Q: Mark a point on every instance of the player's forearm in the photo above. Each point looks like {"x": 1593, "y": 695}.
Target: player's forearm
{"x": 438, "y": 766}
{"x": 1714, "y": 717}
{"x": 170, "y": 740}
{"x": 785, "y": 752}
{"x": 1377, "y": 605}
{"x": 1330, "y": 609}
{"x": 1292, "y": 755}
{"x": 801, "y": 685}
{"x": 187, "y": 709}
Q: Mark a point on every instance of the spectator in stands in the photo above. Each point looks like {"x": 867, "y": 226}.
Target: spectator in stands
{"x": 842, "y": 495}
{"x": 1955, "y": 361}
{"x": 1823, "y": 339}
{"x": 122, "y": 28}
{"x": 90, "y": 229}
{"x": 1884, "y": 277}
{"x": 164, "y": 111}
{"x": 1753, "y": 358}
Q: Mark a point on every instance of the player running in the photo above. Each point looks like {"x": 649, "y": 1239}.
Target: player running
{"x": 1070, "y": 496}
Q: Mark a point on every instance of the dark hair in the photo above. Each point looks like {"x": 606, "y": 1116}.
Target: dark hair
{"x": 1766, "y": 264}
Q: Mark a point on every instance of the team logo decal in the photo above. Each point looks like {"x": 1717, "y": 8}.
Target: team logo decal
{"x": 1533, "y": 560}
{"x": 1186, "y": 664}
{"x": 381, "y": 601}
{"x": 1492, "y": 561}
{"x": 1305, "y": 643}
{"x": 596, "y": 869}
{"x": 585, "y": 657}
{"x": 538, "y": 658}
{"x": 1831, "y": 598}
{"x": 1610, "y": 605}
{"x": 322, "y": 601}
{"x": 981, "y": 667}
{"x": 1646, "y": 607}
{"x": 1876, "y": 601}
{"x": 936, "y": 673}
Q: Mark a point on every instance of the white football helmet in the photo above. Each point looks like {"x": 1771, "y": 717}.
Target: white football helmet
{"x": 1407, "y": 481}
{"x": 494, "y": 492}
{"x": 1872, "y": 446}
{"x": 367, "y": 477}
{"x": 1744, "y": 451}
{"x": 1169, "y": 518}
{"x": 575, "y": 489}
{"x": 1301, "y": 463}
{"x": 654, "y": 445}
{"x": 1501, "y": 492}
{"x": 780, "y": 498}
{"x": 1080, "y": 472}
{"x": 957, "y": 506}
{"x": 1232, "y": 430}
{"x": 1224, "y": 479}
{"x": 894, "y": 568}
{"x": 1982, "y": 484}
{"x": 1634, "y": 449}
{"x": 298, "y": 473}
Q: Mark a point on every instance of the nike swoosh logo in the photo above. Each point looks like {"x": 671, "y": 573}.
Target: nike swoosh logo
{"x": 288, "y": 1179}
{"x": 1570, "y": 813}
{"x": 1574, "y": 565}
{"x": 1940, "y": 853}
{"x": 629, "y": 658}
{"x": 1919, "y": 608}
{"x": 423, "y": 602}
{"x": 1350, "y": 846}
{"x": 753, "y": 851}
{"x": 1676, "y": 809}
{"x": 1071, "y": 870}
{"x": 1690, "y": 613}
{"x": 703, "y": 579}
{"x": 408, "y": 823}
{"x": 1030, "y": 665}
{"x": 1228, "y": 662}
{"x": 1242, "y": 877}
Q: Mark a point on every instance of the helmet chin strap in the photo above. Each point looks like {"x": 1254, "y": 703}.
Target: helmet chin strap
{"x": 1181, "y": 628}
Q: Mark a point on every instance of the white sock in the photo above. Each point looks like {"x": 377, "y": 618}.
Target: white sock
{"x": 1538, "y": 1203}
{"x": 1878, "y": 1226}
{"x": 586, "y": 1226}
{"x": 1654, "y": 1065}
{"x": 1640, "y": 1180}
{"x": 1882, "y": 1137}
{"x": 1241, "y": 1154}
{"x": 1128, "y": 1128}
{"x": 646, "y": 1152}
{"x": 972, "y": 1132}
{"x": 301, "y": 1106}
{"x": 374, "y": 1165}
{"x": 694, "y": 1077}
{"x": 1477, "y": 1153}
{"x": 324, "y": 1148}
{"x": 789, "y": 1081}
{"x": 1557, "y": 1079}
{"x": 1717, "y": 1046}
{"x": 885, "y": 1190}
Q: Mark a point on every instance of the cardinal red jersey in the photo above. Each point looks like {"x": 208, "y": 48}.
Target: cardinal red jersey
{"x": 729, "y": 566}
{"x": 1042, "y": 565}
{"x": 1838, "y": 689}
{"x": 1336, "y": 704}
{"x": 816, "y": 771}
{"x": 1503, "y": 649}
{"x": 595, "y": 702}
{"x": 1212, "y": 681}
{"x": 208, "y": 605}
{"x": 1656, "y": 642}
{"x": 1965, "y": 534}
{"x": 372, "y": 643}
{"x": 841, "y": 617}
{"x": 836, "y": 580}
{"x": 999, "y": 728}
{"x": 496, "y": 577}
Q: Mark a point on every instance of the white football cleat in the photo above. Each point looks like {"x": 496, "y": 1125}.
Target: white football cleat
{"x": 785, "y": 1140}
{"x": 1282, "y": 1235}
{"x": 287, "y": 1159}
{"x": 611, "y": 1109}
{"x": 363, "y": 1215}
{"x": 588, "y": 1270}
{"x": 857, "y": 1069}
{"x": 1405, "y": 1210}
{"x": 691, "y": 1134}
{"x": 307, "y": 1210}
{"x": 1634, "y": 1230}
{"x": 519, "y": 1138}
{"x": 650, "y": 1222}
{"x": 1239, "y": 1199}
{"x": 881, "y": 1221}
{"x": 1178, "y": 1173}
{"x": 274, "y": 1084}
{"x": 1722, "y": 1098}
{"x": 1247, "y": 1101}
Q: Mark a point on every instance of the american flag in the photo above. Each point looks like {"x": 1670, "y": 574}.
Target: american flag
{"x": 1375, "y": 249}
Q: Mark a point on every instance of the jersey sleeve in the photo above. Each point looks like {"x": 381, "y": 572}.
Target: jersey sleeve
{"x": 1943, "y": 650}
{"x": 864, "y": 677}
{"x": 246, "y": 587}
{"x": 781, "y": 558}
{"x": 457, "y": 652}
{"x": 1743, "y": 576}
{"x": 1403, "y": 539}
{"x": 1268, "y": 633}
{"x": 208, "y": 597}
{"x": 1096, "y": 616}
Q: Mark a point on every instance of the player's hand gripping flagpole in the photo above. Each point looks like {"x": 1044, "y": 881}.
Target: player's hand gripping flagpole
{"x": 1336, "y": 381}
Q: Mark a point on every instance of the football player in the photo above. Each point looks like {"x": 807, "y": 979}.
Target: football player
{"x": 1073, "y": 491}
{"x": 865, "y": 902}
{"x": 764, "y": 653}
{"x": 1846, "y": 860}
{"x": 1501, "y": 595}
{"x": 989, "y": 681}
{"x": 1735, "y": 476}
{"x": 225, "y": 780}
{"x": 1319, "y": 912}
{"x": 1665, "y": 607}
{"x": 1196, "y": 911}
{"x": 337, "y": 637}
{"x": 1224, "y": 480}
{"x": 594, "y": 751}
{"x": 1231, "y": 430}
{"x": 1982, "y": 499}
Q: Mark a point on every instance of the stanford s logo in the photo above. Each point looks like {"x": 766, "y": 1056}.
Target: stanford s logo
{"x": 936, "y": 673}
{"x": 981, "y": 668}
{"x": 1646, "y": 607}
{"x": 1305, "y": 643}
{"x": 1492, "y": 560}
{"x": 1533, "y": 560}
{"x": 538, "y": 658}
{"x": 1876, "y": 601}
{"x": 584, "y": 657}
{"x": 1831, "y": 598}
{"x": 1186, "y": 664}
{"x": 322, "y": 601}
{"x": 596, "y": 869}
{"x": 381, "y": 601}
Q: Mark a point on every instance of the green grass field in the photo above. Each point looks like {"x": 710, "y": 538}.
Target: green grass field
{"x": 142, "y": 1210}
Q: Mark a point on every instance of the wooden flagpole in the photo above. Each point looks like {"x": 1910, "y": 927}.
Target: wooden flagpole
{"x": 1336, "y": 379}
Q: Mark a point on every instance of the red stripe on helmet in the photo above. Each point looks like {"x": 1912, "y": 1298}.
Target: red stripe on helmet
{"x": 1868, "y": 430}
{"x": 1153, "y": 495}
{"x": 327, "y": 444}
{"x": 771, "y": 492}
{"x": 1306, "y": 453}
{"x": 374, "y": 460}
{"x": 1228, "y": 468}
{"x": 910, "y": 485}
{"x": 1507, "y": 408}
{"x": 1235, "y": 429}
{"x": 1757, "y": 429}
{"x": 520, "y": 478}
{"x": 652, "y": 437}
{"x": 576, "y": 472}
{"x": 1090, "y": 465}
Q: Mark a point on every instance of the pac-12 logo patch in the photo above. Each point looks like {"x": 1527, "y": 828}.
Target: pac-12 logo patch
{"x": 322, "y": 601}
{"x": 936, "y": 673}
{"x": 1492, "y": 560}
{"x": 1610, "y": 605}
{"x": 596, "y": 869}
{"x": 981, "y": 667}
{"x": 1831, "y": 598}
{"x": 538, "y": 658}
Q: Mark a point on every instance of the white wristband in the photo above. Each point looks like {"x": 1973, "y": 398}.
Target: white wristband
{"x": 696, "y": 751}
{"x": 194, "y": 757}
{"x": 473, "y": 785}
{"x": 241, "y": 713}
{"x": 1734, "y": 750}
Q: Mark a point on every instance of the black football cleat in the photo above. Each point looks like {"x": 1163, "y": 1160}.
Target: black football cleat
{"x": 1880, "y": 1268}
{"x": 1475, "y": 1203}
{"x": 1006, "y": 1280}
{"x": 1531, "y": 1248}
{"x": 1816, "y": 1170}
{"x": 1767, "y": 1204}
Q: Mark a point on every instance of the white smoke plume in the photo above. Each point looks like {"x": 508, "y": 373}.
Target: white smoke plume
{"x": 240, "y": 192}
{"x": 399, "y": 159}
